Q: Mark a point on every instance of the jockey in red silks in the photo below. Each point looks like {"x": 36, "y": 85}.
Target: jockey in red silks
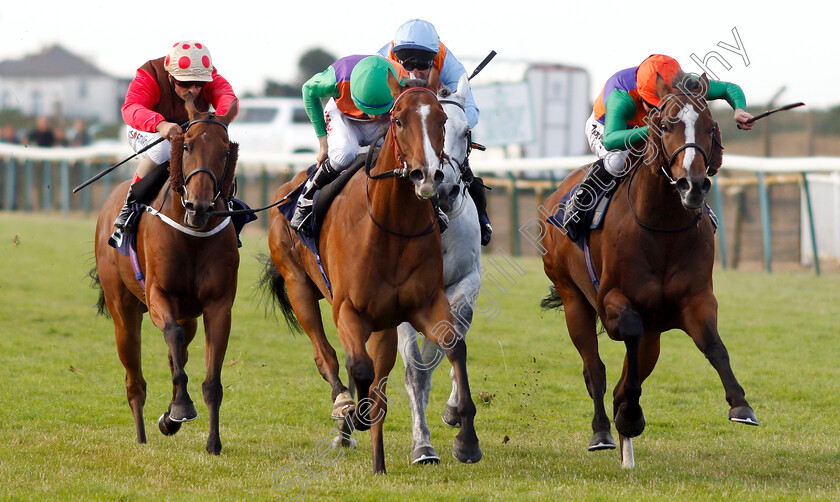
{"x": 618, "y": 122}
{"x": 417, "y": 47}
{"x": 154, "y": 107}
{"x": 357, "y": 113}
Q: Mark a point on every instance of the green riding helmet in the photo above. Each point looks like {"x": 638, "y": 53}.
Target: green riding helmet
{"x": 369, "y": 85}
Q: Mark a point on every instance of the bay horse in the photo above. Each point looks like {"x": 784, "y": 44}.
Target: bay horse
{"x": 653, "y": 258}
{"x": 380, "y": 248}
{"x": 189, "y": 259}
{"x": 461, "y": 246}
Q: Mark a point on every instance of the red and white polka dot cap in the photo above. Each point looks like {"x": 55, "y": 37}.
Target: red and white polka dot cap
{"x": 188, "y": 61}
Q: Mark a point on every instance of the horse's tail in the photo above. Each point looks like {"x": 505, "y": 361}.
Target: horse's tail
{"x": 94, "y": 283}
{"x": 552, "y": 301}
{"x": 273, "y": 284}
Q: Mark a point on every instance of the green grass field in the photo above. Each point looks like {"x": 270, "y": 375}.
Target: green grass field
{"x": 66, "y": 431}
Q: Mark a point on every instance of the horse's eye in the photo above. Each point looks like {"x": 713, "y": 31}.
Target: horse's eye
{"x": 666, "y": 127}
{"x": 186, "y": 147}
{"x": 398, "y": 122}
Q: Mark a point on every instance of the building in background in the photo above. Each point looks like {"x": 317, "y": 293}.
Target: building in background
{"x": 60, "y": 84}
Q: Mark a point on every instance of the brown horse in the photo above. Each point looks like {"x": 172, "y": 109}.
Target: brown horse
{"x": 190, "y": 270}
{"x": 653, "y": 257}
{"x": 380, "y": 248}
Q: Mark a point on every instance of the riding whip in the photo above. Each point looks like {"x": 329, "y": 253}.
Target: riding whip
{"x": 768, "y": 112}
{"x": 482, "y": 64}
{"x": 108, "y": 170}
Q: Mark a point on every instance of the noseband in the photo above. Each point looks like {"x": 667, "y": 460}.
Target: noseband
{"x": 216, "y": 188}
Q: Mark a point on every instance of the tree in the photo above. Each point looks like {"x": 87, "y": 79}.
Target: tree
{"x": 313, "y": 61}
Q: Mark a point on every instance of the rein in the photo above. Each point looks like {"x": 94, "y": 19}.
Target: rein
{"x": 216, "y": 188}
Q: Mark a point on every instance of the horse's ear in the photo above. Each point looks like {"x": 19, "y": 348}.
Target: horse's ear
{"x": 192, "y": 112}
{"x": 704, "y": 87}
{"x": 231, "y": 113}
{"x": 393, "y": 83}
{"x": 463, "y": 87}
{"x": 716, "y": 154}
{"x": 662, "y": 88}
{"x": 434, "y": 80}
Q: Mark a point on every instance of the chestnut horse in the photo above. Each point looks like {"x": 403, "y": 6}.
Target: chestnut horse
{"x": 653, "y": 257}
{"x": 380, "y": 248}
{"x": 190, "y": 269}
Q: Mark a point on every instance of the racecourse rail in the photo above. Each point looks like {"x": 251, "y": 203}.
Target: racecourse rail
{"x": 21, "y": 165}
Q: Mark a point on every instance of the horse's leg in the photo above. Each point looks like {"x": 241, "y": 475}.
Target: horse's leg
{"x": 700, "y": 319}
{"x": 383, "y": 350}
{"x": 217, "y": 333}
{"x": 462, "y": 298}
{"x": 581, "y": 322}
{"x": 181, "y": 409}
{"x": 418, "y": 385}
{"x": 167, "y": 425}
{"x": 624, "y": 323}
{"x": 304, "y": 299}
{"x": 125, "y": 311}
{"x": 436, "y": 324}
{"x": 354, "y": 334}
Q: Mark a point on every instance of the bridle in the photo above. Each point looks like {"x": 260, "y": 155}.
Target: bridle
{"x": 400, "y": 172}
{"x": 684, "y": 146}
{"x": 216, "y": 188}
{"x": 403, "y": 170}
{"x": 671, "y": 158}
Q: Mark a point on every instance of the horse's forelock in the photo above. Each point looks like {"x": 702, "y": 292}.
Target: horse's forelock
{"x": 176, "y": 171}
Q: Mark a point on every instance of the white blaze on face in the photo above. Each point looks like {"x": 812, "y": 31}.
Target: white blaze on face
{"x": 424, "y": 112}
{"x": 689, "y": 117}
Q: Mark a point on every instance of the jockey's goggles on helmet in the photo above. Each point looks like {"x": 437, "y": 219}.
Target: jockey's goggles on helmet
{"x": 188, "y": 84}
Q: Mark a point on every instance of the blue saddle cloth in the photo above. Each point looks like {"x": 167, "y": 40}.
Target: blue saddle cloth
{"x": 287, "y": 209}
{"x": 588, "y": 220}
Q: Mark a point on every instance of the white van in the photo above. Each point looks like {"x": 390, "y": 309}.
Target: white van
{"x": 273, "y": 125}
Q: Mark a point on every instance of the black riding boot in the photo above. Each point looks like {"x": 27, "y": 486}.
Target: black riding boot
{"x": 141, "y": 192}
{"x": 596, "y": 181}
{"x": 324, "y": 175}
{"x": 476, "y": 189}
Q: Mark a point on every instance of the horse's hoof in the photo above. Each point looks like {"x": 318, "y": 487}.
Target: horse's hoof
{"x": 183, "y": 412}
{"x": 343, "y": 442}
{"x": 343, "y": 406}
{"x": 468, "y": 454}
{"x": 451, "y": 417}
{"x": 214, "y": 447}
{"x": 167, "y": 426}
{"x": 628, "y": 427}
{"x": 602, "y": 440}
{"x": 424, "y": 455}
{"x": 743, "y": 415}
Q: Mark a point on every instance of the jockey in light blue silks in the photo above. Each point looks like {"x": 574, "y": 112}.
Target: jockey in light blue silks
{"x": 417, "y": 47}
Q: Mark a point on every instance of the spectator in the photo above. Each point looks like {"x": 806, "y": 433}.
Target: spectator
{"x": 79, "y": 135}
{"x": 42, "y": 135}
{"x": 9, "y": 135}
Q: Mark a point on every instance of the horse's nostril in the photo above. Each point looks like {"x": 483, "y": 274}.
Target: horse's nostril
{"x": 438, "y": 177}
{"x": 453, "y": 192}
{"x": 707, "y": 185}
{"x": 683, "y": 185}
{"x": 189, "y": 206}
{"x": 416, "y": 176}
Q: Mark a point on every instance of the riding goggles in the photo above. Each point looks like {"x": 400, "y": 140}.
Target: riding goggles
{"x": 416, "y": 64}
